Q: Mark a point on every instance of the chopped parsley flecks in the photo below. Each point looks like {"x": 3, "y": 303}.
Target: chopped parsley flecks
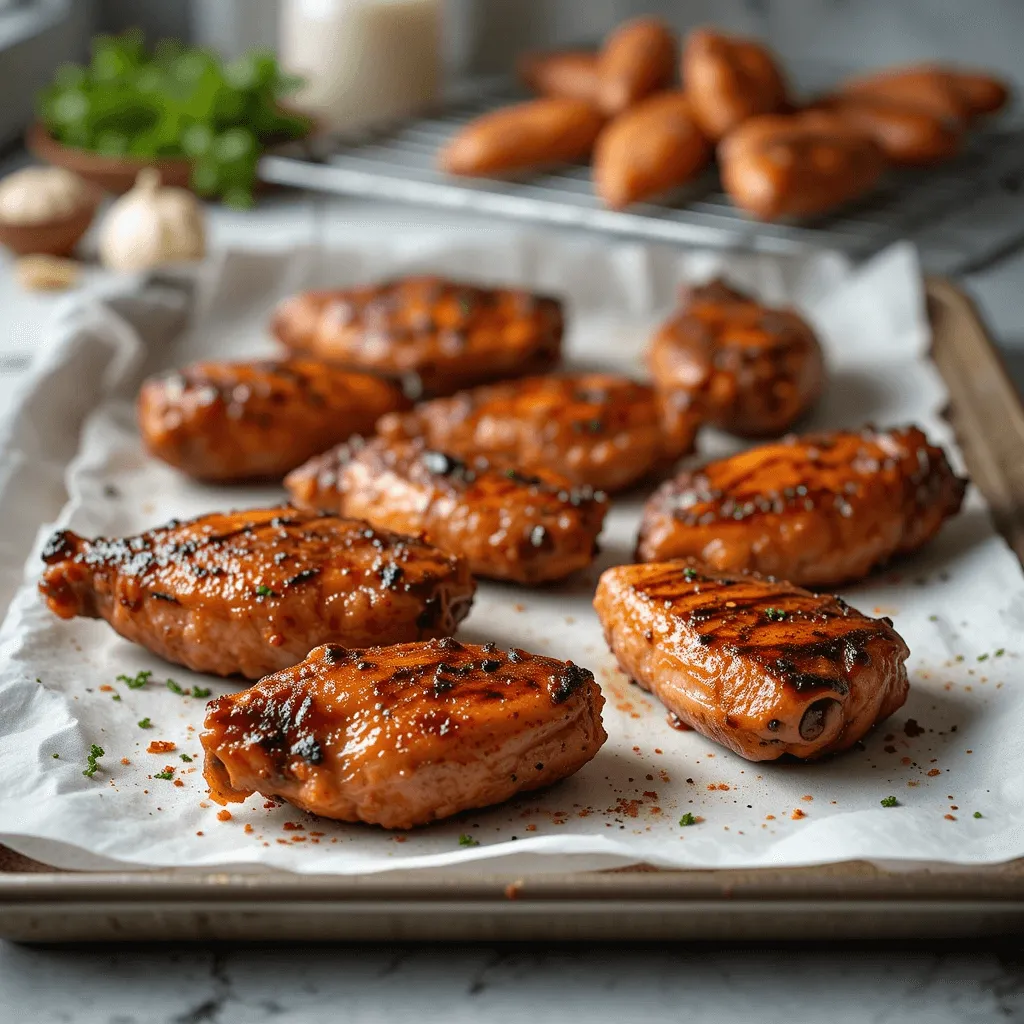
{"x": 137, "y": 681}
{"x": 776, "y": 614}
{"x": 264, "y": 591}
{"x": 687, "y": 819}
{"x": 196, "y": 691}
{"x": 55, "y": 755}
{"x": 145, "y": 723}
{"x": 186, "y": 757}
{"x": 933, "y": 618}
{"x": 167, "y": 774}
{"x": 978, "y": 814}
{"x": 115, "y": 696}
{"x": 200, "y": 691}
{"x": 175, "y": 688}
{"x": 999, "y": 653}
{"x": 889, "y": 801}
{"x": 689, "y": 575}
{"x": 982, "y": 657}
{"x": 467, "y": 840}
{"x": 95, "y": 753}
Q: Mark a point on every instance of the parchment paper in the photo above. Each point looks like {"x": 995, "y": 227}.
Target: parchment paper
{"x": 951, "y": 754}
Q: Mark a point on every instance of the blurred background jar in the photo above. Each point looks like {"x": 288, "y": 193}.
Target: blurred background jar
{"x": 363, "y": 61}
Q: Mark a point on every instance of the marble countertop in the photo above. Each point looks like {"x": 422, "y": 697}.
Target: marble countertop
{"x": 190, "y": 985}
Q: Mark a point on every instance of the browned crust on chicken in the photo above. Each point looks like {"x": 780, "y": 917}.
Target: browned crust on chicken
{"x": 570, "y": 74}
{"x": 435, "y": 334}
{"x": 637, "y": 58}
{"x": 508, "y": 524}
{"x": 797, "y": 165}
{"x": 406, "y": 735}
{"x": 747, "y": 368}
{"x": 730, "y": 79}
{"x": 818, "y": 509}
{"x": 760, "y": 666}
{"x": 257, "y": 420}
{"x": 597, "y": 429}
{"x": 252, "y": 592}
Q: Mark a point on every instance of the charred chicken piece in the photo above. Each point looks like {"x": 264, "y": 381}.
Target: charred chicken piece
{"x": 818, "y": 509}
{"x": 597, "y": 429}
{"x": 729, "y": 80}
{"x": 252, "y": 592}
{"x": 747, "y": 368}
{"x": 436, "y": 335}
{"x": 760, "y": 666}
{"x": 509, "y": 525}
{"x": 406, "y": 735}
{"x": 257, "y": 420}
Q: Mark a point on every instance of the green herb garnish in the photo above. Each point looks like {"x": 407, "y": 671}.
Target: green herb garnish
{"x": 776, "y": 614}
{"x": 200, "y": 691}
{"x": 978, "y": 814}
{"x": 55, "y": 755}
{"x": 933, "y": 618}
{"x": 689, "y": 575}
{"x": 115, "y": 696}
{"x": 186, "y": 757}
{"x": 982, "y": 657}
{"x": 264, "y": 591}
{"x": 999, "y": 653}
{"x": 145, "y": 723}
{"x": 95, "y": 753}
{"x": 687, "y": 819}
{"x": 137, "y": 681}
{"x": 166, "y": 775}
{"x": 889, "y": 801}
{"x": 465, "y": 840}
{"x": 177, "y": 101}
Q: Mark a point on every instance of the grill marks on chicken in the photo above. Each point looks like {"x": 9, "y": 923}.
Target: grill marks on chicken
{"x": 257, "y": 420}
{"x": 405, "y": 735}
{"x": 529, "y": 528}
{"x": 597, "y": 429}
{"x": 748, "y": 369}
{"x": 760, "y": 666}
{"x": 252, "y": 592}
{"x": 436, "y": 335}
{"x": 815, "y": 510}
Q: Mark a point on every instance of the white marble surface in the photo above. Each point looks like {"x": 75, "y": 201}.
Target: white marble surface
{"x": 960, "y": 982}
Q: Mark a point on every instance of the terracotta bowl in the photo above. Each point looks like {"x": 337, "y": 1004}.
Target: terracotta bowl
{"x": 52, "y": 237}
{"x": 111, "y": 173}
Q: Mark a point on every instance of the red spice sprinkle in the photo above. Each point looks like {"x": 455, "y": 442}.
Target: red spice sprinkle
{"x": 298, "y": 839}
{"x": 269, "y": 805}
{"x": 723, "y": 786}
{"x": 248, "y": 828}
{"x": 224, "y": 815}
{"x": 954, "y": 807}
{"x": 904, "y": 760}
{"x": 318, "y": 833}
{"x": 179, "y": 783}
{"x": 106, "y": 688}
{"x": 769, "y": 817}
{"x": 649, "y": 794}
{"x": 950, "y": 817}
{"x": 807, "y": 796}
{"x": 797, "y": 814}
{"x": 282, "y": 842}
{"x": 531, "y": 828}
{"x": 199, "y": 833}
{"x": 934, "y": 772}
{"x": 161, "y": 747}
{"x": 124, "y": 760}
{"x": 658, "y": 750}
{"x": 293, "y": 826}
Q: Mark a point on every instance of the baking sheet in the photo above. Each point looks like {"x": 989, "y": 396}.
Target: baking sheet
{"x": 949, "y": 753}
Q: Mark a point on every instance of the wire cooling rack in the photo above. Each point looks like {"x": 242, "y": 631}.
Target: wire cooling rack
{"x": 397, "y": 163}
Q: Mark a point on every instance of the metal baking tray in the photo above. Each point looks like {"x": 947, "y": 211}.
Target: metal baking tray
{"x": 397, "y": 163}
{"x": 39, "y": 904}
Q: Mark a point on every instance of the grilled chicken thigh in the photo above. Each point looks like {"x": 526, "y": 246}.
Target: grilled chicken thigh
{"x": 530, "y": 528}
{"x": 596, "y": 429}
{"x": 436, "y": 335}
{"x": 406, "y": 735}
{"x": 762, "y": 667}
{"x": 747, "y": 368}
{"x": 257, "y": 420}
{"x": 252, "y": 592}
{"x": 815, "y": 510}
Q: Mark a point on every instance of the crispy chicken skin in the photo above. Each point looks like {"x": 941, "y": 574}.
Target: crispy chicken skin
{"x": 951, "y": 94}
{"x": 539, "y": 133}
{"x": 747, "y": 368}
{"x": 637, "y": 58}
{"x": 257, "y": 420}
{"x": 530, "y": 528}
{"x": 252, "y": 592}
{"x": 653, "y": 147}
{"x": 818, "y": 509}
{"x": 907, "y": 136}
{"x": 406, "y": 735}
{"x": 760, "y": 666}
{"x": 435, "y": 334}
{"x": 597, "y": 429}
{"x": 729, "y": 79}
{"x": 797, "y": 165}
{"x": 570, "y": 74}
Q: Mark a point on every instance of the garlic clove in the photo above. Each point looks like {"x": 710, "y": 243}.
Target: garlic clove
{"x": 41, "y": 195}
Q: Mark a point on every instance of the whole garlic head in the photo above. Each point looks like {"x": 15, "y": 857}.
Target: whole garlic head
{"x": 152, "y": 225}
{"x": 39, "y": 195}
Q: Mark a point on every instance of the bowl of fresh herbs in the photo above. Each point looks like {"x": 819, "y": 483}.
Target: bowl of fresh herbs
{"x": 201, "y": 121}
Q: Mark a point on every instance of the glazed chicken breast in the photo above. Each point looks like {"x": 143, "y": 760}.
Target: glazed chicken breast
{"x": 597, "y": 429}
{"x": 252, "y": 592}
{"x": 436, "y": 335}
{"x": 760, "y": 666}
{"x": 257, "y": 420}
{"x": 406, "y": 735}
{"x": 507, "y": 524}
{"x": 747, "y": 368}
{"x": 816, "y": 510}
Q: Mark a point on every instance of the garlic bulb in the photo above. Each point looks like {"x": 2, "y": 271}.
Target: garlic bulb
{"x": 152, "y": 225}
{"x": 39, "y": 195}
